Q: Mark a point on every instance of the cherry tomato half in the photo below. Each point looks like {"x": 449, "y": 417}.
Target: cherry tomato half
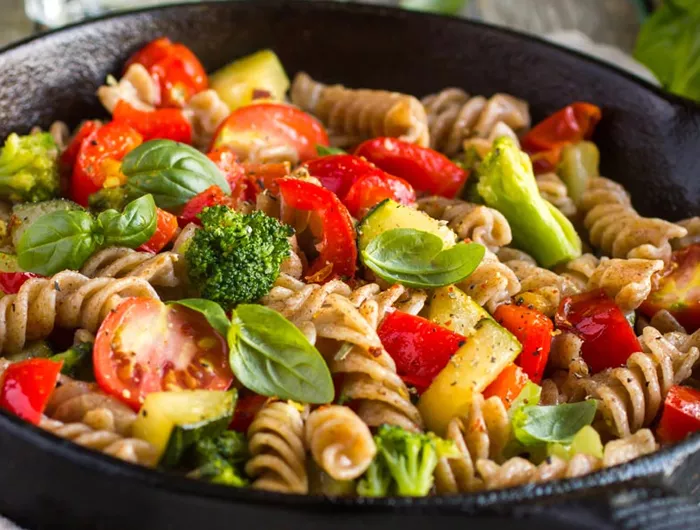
{"x": 27, "y": 386}
{"x": 144, "y": 346}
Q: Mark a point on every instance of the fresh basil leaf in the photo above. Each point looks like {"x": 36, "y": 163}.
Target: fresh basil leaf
{"x": 172, "y": 172}
{"x": 529, "y": 396}
{"x": 417, "y": 259}
{"x": 270, "y": 356}
{"x": 57, "y": 241}
{"x": 132, "y": 227}
{"x": 212, "y": 311}
{"x": 323, "y": 150}
{"x": 552, "y": 424}
{"x": 444, "y": 7}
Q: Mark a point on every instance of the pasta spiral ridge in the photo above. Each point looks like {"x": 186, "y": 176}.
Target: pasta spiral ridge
{"x": 375, "y": 303}
{"x": 340, "y": 442}
{"x": 628, "y": 281}
{"x": 692, "y": 226}
{"x": 579, "y": 270}
{"x": 205, "y": 111}
{"x": 354, "y": 115}
{"x": 160, "y": 270}
{"x": 68, "y": 300}
{"x": 276, "y": 445}
{"x": 491, "y": 284}
{"x": 553, "y": 190}
{"x": 454, "y": 117}
{"x": 479, "y": 223}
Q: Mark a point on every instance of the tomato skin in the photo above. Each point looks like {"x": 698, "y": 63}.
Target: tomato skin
{"x": 10, "y": 282}
{"x": 168, "y": 124}
{"x": 27, "y": 386}
{"x": 263, "y": 177}
{"x": 425, "y": 169}
{"x": 681, "y": 414}
{"x": 545, "y": 161}
{"x": 608, "y": 339}
{"x": 109, "y": 142}
{"x": 370, "y": 190}
{"x": 533, "y": 330}
{"x": 144, "y": 346}
{"x": 339, "y": 172}
{"x": 68, "y": 157}
{"x": 247, "y": 407}
{"x": 508, "y": 385}
{"x": 175, "y": 68}
{"x": 678, "y": 290}
{"x": 573, "y": 123}
{"x": 420, "y": 348}
{"x": 274, "y": 124}
{"x": 212, "y": 196}
{"x": 166, "y": 229}
{"x": 227, "y": 161}
{"x": 337, "y": 249}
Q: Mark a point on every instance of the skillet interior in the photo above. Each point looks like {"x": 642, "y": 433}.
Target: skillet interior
{"x": 650, "y": 142}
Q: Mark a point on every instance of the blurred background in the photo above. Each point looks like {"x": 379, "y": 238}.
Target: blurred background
{"x": 658, "y": 40}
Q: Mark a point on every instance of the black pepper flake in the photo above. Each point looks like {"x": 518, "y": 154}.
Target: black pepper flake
{"x": 56, "y": 287}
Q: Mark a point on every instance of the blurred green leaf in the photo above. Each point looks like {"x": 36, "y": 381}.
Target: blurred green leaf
{"x": 444, "y": 7}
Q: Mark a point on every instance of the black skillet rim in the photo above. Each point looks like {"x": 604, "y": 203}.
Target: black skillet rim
{"x": 663, "y": 462}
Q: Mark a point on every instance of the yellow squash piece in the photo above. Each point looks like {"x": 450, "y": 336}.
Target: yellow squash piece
{"x": 452, "y": 308}
{"x": 262, "y": 71}
{"x": 472, "y": 368}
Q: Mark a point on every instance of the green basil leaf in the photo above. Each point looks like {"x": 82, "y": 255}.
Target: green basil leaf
{"x": 212, "y": 311}
{"x": 172, "y": 172}
{"x": 417, "y": 259}
{"x": 323, "y": 150}
{"x": 529, "y": 396}
{"x": 552, "y": 424}
{"x": 132, "y": 227}
{"x": 57, "y": 241}
{"x": 270, "y": 356}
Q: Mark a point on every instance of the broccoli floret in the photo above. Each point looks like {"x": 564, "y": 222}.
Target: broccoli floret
{"x": 108, "y": 199}
{"x": 29, "y": 168}
{"x": 219, "y": 459}
{"x": 404, "y": 463}
{"x": 77, "y": 361}
{"x": 235, "y": 258}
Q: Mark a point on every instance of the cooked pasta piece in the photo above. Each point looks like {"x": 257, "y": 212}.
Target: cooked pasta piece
{"x": 566, "y": 348}
{"x": 276, "y": 445}
{"x": 60, "y": 133}
{"x": 628, "y": 281}
{"x": 136, "y": 87}
{"x": 160, "y": 270}
{"x": 205, "y": 111}
{"x": 618, "y": 230}
{"x": 375, "y": 303}
{"x": 692, "y": 225}
{"x": 110, "y": 443}
{"x": 618, "y": 452}
{"x": 340, "y": 442}
{"x": 554, "y": 190}
{"x": 579, "y": 270}
{"x": 67, "y": 300}
{"x": 479, "y": 223}
{"x": 491, "y": 284}
{"x": 354, "y": 115}
{"x": 454, "y": 116}
{"x": 662, "y": 320}
{"x": 275, "y": 206}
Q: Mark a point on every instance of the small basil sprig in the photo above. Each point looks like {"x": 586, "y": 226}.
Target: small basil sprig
{"x": 270, "y": 356}
{"x": 537, "y": 425}
{"x": 65, "y": 239}
{"x": 417, "y": 259}
{"x": 172, "y": 172}
{"x": 323, "y": 150}
{"x": 212, "y": 311}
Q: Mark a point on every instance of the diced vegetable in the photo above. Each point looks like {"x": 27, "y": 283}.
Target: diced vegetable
{"x": 166, "y": 228}
{"x": 579, "y": 163}
{"x": 37, "y": 349}
{"x": 168, "y": 124}
{"x": 25, "y": 214}
{"x": 586, "y": 442}
{"x": 508, "y": 385}
{"x": 26, "y": 387}
{"x": 10, "y": 282}
{"x": 681, "y": 414}
{"x": 572, "y": 124}
{"x": 29, "y": 168}
{"x": 452, "y": 308}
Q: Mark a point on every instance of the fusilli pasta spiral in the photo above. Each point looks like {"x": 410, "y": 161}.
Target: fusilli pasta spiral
{"x": 136, "y": 87}
{"x": 205, "y": 111}
{"x": 579, "y": 270}
{"x": 160, "y": 270}
{"x": 491, "y": 284}
{"x": 554, "y": 190}
{"x": 628, "y": 281}
{"x": 692, "y": 225}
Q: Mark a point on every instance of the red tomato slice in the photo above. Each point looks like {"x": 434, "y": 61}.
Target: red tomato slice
{"x": 166, "y": 229}
{"x": 212, "y": 196}
{"x": 681, "y": 414}
{"x": 678, "y": 290}
{"x": 370, "y": 190}
{"x": 608, "y": 338}
{"x": 339, "y": 172}
{"x": 109, "y": 143}
{"x": 168, "y": 124}
{"x": 571, "y": 124}
{"x": 27, "y": 386}
{"x": 144, "y": 346}
{"x": 507, "y": 385}
{"x": 10, "y": 282}
{"x": 274, "y": 124}
{"x": 227, "y": 161}
{"x": 68, "y": 157}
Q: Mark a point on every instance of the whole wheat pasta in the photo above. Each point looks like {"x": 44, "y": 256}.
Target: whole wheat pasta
{"x": 554, "y": 190}
{"x": 160, "y": 270}
{"x": 375, "y": 303}
{"x": 276, "y": 445}
{"x": 354, "y": 115}
{"x": 565, "y": 349}
{"x": 628, "y": 281}
{"x": 136, "y": 87}
{"x": 454, "y": 117}
{"x": 492, "y": 283}
{"x": 692, "y": 225}
{"x": 579, "y": 270}
{"x": 662, "y": 320}
{"x": 340, "y": 442}
{"x": 476, "y": 222}
{"x": 205, "y": 111}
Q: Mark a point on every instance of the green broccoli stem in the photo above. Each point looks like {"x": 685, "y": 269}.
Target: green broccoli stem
{"x": 77, "y": 361}
{"x": 375, "y": 482}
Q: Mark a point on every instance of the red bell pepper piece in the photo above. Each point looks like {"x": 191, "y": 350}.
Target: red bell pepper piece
{"x": 10, "y": 282}
{"x": 27, "y": 386}
{"x": 681, "y": 414}
{"x": 212, "y": 196}
{"x": 263, "y": 177}
{"x": 608, "y": 339}
{"x": 507, "y": 385}
{"x": 337, "y": 249}
{"x": 166, "y": 229}
{"x": 572, "y": 124}
{"x": 545, "y": 161}
{"x": 426, "y": 170}
{"x": 234, "y": 172}
{"x": 247, "y": 406}
{"x": 420, "y": 348}
{"x": 533, "y": 330}
{"x": 168, "y": 124}
{"x": 68, "y": 157}
{"x": 678, "y": 290}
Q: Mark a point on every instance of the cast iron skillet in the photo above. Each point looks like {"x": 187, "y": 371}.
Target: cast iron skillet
{"x": 649, "y": 141}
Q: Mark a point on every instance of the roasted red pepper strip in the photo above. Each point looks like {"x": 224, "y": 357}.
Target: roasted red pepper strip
{"x": 573, "y": 123}
{"x": 608, "y": 339}
{"x": 681, "y": 414}
{"x": 212, "y": 196}
{"x": 533, "y": 330}
{"x": 10, "y": 282}
{"x": 507, "y": 385}
{"x": 166, "y": 229}
{"x": 339, "y": 172}
{"x": 67, "y": 160}
{"x": 426, "y": 170}
{"x": 247, "y": 406}
{"x": 420, "y": 348}
{"x": 27, "y": 386}
{"x": 545, "y": 161}
{"x": 167, "y": 124}
{"x": 337, "y": 249}
{"x": 234, "y": 172}
{"x": 678, "y": 290}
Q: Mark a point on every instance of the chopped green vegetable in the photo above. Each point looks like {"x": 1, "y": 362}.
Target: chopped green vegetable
{"x": 529, "y": 396}
{"x": 552, "y": 424}
{"x": 323, "y": 150}
{"x": 220, "y": 459}
{"x": 108, "y": 199}
{"x": 77, "y": 361}
{"x": 38, "y": 349}
{"x": 29, "y": 168}
{"x": 235, "y": 258}
{"x": 444, "y": 7}
{"x": 586, "y": 441}
{"x": 578, "y": 163}
{"x": 507, "y": 183}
